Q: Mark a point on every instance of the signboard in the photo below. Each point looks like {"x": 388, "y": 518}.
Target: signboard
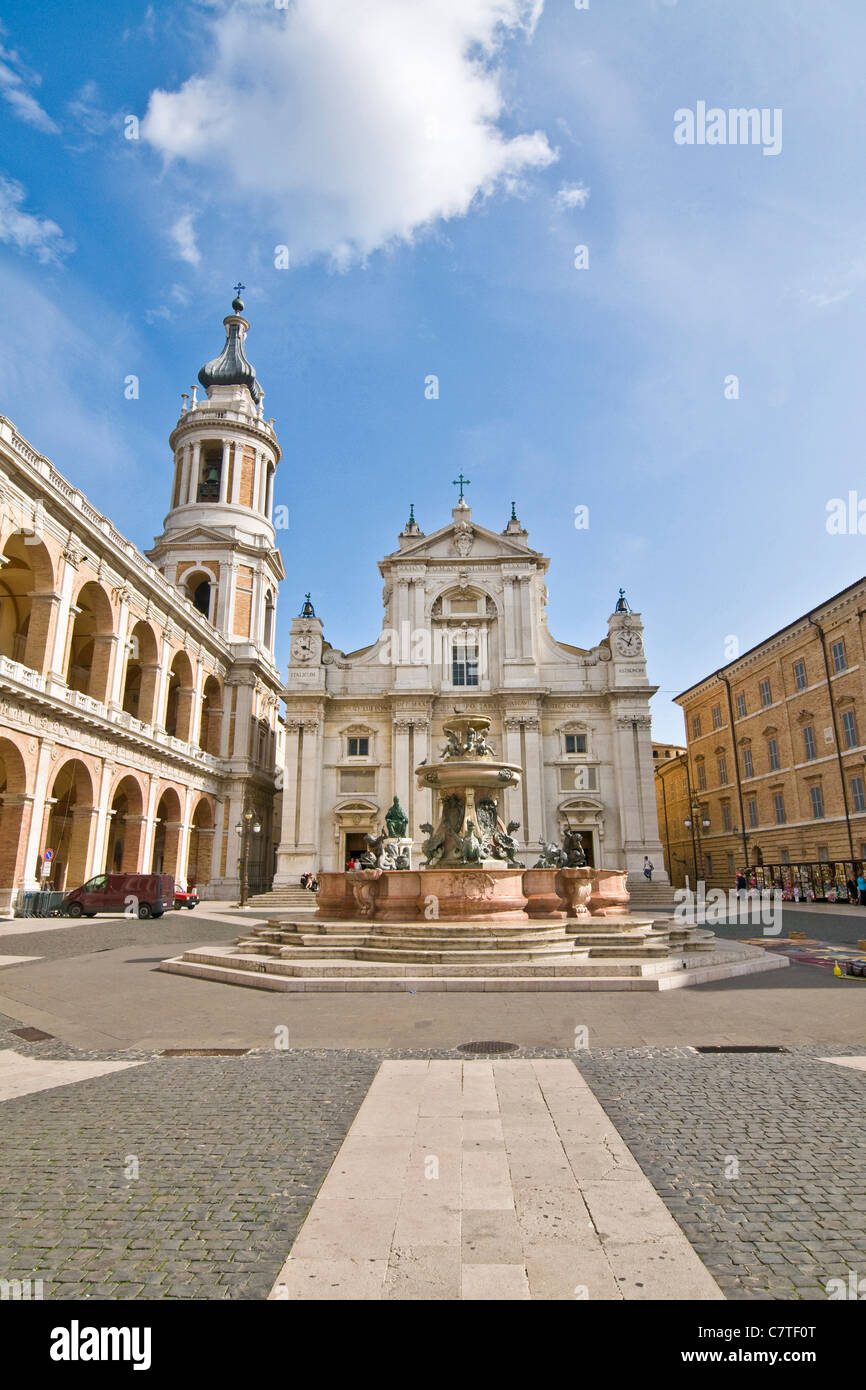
{"x": 48, "y": 855}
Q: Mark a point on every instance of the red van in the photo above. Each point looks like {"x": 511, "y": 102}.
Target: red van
{"x": 143, "y": 895}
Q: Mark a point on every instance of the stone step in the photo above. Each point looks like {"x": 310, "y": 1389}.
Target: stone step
{"x": 316, "y": 968}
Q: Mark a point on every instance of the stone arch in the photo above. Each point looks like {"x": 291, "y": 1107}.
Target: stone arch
{"x": 268, "y": 622}
{"x": 200, "y": 587}
{"x": 15, "y": 810}
{"x": 200, "y": 844}
{"x": 69, "y": 831}
{"x": 210, "y": 735}
{"x": 141, "y": 680}
{"x": 448, "y": 589}
{"x": 126, "y": 826}
{"x": 166, "y": 839}
{"x": 91, "y": 639}
{"x": 179, "y": 697}
{"x": 27, "y": 599}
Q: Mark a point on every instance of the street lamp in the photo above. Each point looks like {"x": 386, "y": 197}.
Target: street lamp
{"x": 246, "y": 827}
{"x": 693, "y": 823}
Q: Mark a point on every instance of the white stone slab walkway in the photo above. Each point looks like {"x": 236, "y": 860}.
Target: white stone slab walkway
{"x": 21, "y": 1076}
{"x": 488, "y": 1180}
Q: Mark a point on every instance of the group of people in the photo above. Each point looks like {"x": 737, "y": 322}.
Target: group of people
{"x": 855, "y": 889}
{"x": 353, "y": 863}
{"x": 310, "y": 881}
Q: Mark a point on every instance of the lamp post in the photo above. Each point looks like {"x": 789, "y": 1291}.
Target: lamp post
{"x": 247, "y": 826}
{"x": 693, "y": 823}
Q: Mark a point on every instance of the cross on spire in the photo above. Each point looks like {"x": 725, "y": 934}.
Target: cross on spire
{"x": 239, "y": 288}
{"x": 460, "y": 482}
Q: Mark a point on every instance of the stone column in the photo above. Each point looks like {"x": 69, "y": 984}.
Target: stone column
{"x": 98, "y": 865}
{"x": 532, "y": 772}
{"x": 195, "y": 469}
{"x": 526, "y": 623}
{"x": 400, "y": 770}
{"x": 29, "y": 880}
{"x": 224, "y": 474}
{"x": 43, "y": 608}
{"x": 182, "y": 870}
{"x": 162, "y": 682}
{"x": 149, "y": 824}
{"x": 15, "y": 820}
{"x": 121, "y": 662}
{"x": 63, "y": 626}
{"x": 80, "y": 856}
{"x": 514, "y": 795}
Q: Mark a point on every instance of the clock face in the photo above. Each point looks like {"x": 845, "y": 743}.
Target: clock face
{"x": 629, "y": 643}
{"x": 302, "y": 648}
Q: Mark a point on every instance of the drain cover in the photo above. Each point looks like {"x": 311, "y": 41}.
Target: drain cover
{"x": 739, "y": 1047}
{"x": 204, "y": 1052}
{"x": 488, "y": 1047}
{"x": 31, "y": 1034}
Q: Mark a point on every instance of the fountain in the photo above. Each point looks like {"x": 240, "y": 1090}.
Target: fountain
{"x": 472, "y": 916}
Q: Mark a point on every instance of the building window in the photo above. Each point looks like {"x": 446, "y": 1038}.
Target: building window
{"x": 766, "y": 696}
{"x": 722, "y": 764}
{"x": 464, "y": 665}
{"x": 702, "y": 777}
{"x": 800, "y": 675}
{"x": 359, "y": 747}
{"x": 752, "y": 809}
{"x": 709, "y": 859}
{"x": 773, "y": 754}
{"x": 730, "y": 863}
{"x": 823, "y": 854}
{"x": 817, "y": 803}
{"x": 717, "y": 716}
{"x": 741, "y": 706}
{"x": 748, "y": 765}
{"x": 849, "y": 728}
{"x": 858, "y": 794}
{"x": 786, "y": 857}
{"x": 779, "y": 808}
{"x": 838, "y": 650}
{"x": 726, "y": 816}
{"x": 809, "y": 741}
{"x": 696, "y": 726}
{"x": 576, "y": 743}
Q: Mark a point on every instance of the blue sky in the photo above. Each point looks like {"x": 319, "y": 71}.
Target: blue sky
{"x": 430, "y": 167}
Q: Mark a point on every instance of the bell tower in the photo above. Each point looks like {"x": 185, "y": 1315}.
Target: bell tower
{"x": 218, "y": 543}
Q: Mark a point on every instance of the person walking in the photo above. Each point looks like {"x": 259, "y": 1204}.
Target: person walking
{"x": 741, "y": 882}
{"x": 861, "y": 889}
{"x": 647, "y": 869}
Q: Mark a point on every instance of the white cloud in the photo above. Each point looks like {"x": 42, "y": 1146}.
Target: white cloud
{"x": 15, "y": 81}
{"x": 26, "y": 230}
{"x": 572, "y": 195}
{"x": 351, "y": 127}
{"x": 183, "y": 236}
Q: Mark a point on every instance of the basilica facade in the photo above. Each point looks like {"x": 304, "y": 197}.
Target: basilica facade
{"x": 464, "y": 629}
{"x": 139, "y": 699}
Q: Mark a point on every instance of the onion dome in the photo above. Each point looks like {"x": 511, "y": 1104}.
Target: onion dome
{"x": 231, "y": 368}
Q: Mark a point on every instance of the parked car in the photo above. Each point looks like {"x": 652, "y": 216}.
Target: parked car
{"x": 142, "y": 895}
{"x": 185, "y": 897}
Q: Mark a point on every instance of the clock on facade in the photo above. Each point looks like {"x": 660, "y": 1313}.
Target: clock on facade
{"x": 303, "y": 648}
{"x": 629, "y": 643}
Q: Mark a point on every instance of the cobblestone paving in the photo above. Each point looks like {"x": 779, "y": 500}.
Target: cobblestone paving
{"x": 795, "y": 1216}
{"x": 232, "y": 1152}
{"x": 107, "y": 933}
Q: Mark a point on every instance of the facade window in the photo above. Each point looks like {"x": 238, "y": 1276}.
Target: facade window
{"x": 823, "y": 854}
{"x": 464, "y": 665}
{"x": 858, "y": 794}
{"x": 779, "y": 808}
{"x": 696, "y": 726}
{"x": 766, "y": 694}
{"x": 722, "y": 765}
{"x": 709, "y": 859}
{"x": 809, "y": 741}
{"x": 717, "y": 716}
{"x": 786, "y": 856}
{"x": 800, "y": 675}
{"x": 817, "y": 802}
{"x": 359, "y": 747}
{"x": 748, "y": 765}
{"x": 741, "y": 706}
{"x": 838, "y": 651}
{"x": 773, "y": 754}
{"x": 752, "y": 809}
{"x": 730, "y": 863}
{"x": 702, "y": 777}
{"x": 575, "y": 743}
{"x": 849, "y": 728}
{"x": 726, "y": 816}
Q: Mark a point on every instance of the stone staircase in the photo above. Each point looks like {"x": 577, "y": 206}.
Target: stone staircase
{"x": 578, "y": 954}
{"x": 650, "y": 897}
{"x": 285, "y": 899}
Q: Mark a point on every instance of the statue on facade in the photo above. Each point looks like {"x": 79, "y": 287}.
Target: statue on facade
{"x": 396, "y": 820}
{"x": 471, "y": 848}
{"x": 433, "y": 848}
{"x": 504, "y": 846}
{"x": 376, "y": 857}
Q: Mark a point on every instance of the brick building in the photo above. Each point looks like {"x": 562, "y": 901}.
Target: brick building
{"x": 776, "y": 756}
{"x": 139, "y": 700}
